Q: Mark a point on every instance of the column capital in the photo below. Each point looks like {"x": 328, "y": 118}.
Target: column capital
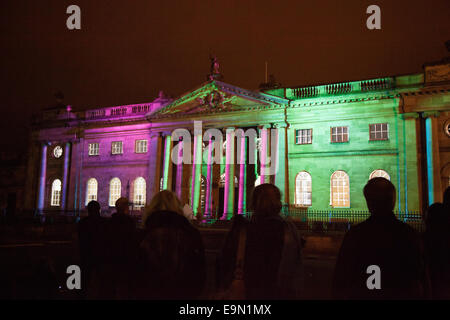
{"x": 431, "y": 114}
{"x": 156, "y": 134}
{"x": 280, "y": 125}
{"x": 410, "y": 115}
{"x": 226, "y": 129}
{"x": 43, "y": 143}
{"x": 264, "y": 126}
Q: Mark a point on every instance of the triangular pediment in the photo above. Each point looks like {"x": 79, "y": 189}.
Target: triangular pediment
{"x": 215, "y": 97}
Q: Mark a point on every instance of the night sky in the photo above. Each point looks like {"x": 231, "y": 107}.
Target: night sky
{"x": 126, "y": 51}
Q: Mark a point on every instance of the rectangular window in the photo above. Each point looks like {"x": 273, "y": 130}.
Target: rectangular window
{"x": 303, "y": 136}
{"x": 141, "y": 146}
{"x": 93, "y": 149}
{"x": 339, "y": 134}
{"x": 56, "y": 197}
{"x": 379, "y": 131}
{"x": 116, "y": 147}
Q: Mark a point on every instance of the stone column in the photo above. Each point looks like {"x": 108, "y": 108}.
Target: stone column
{"x": 76, "y": 147}
{"x": 256, "y": 155}
{"x": 228, "y": 207}
{"x": 154, "y": 165}
{"x": 215, "y": 191}
{"x": 279, "y": 156}
{"x": 179, "y": 177}
{"x": 196, "y": 173}
{"x": 65, "y": 176}
{"x": 242, "y": 174}
{"x": 263, "y": 153}
{"x": 80, "y": 170}
{"x": 167, "y": 165}
{"x": 409, "y": 163}
{"x": 432, "y": 156}
{"x": 42, "y": 177}
{"x": 208, "y": 200}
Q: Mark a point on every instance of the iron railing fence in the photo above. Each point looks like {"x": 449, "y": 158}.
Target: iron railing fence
{"x": 340, "y": 219}
{"x": 305, "y": 218}
{"x": 57, "y": 217}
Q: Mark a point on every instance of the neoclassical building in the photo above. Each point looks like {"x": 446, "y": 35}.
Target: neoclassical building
{"x": 326, "y": 142}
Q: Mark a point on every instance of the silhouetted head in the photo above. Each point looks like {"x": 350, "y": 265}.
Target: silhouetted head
{"x": 122, "y": 205}
{"x": 435, "y": 217}
{"x": 266, "y": 200}
{"x": 93, "y": 208}
{"x": 446, "y": 201}
{"x": 163, "y": 201}
{"x": 380, "y": 196}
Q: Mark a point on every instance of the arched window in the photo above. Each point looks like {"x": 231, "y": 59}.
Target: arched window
{"x": 340, "y": 189}
{"x": 114, "y": 191}
{"x": 161, "y": 184}
{"x": 303, "y": 189}
{"x": 56, "y": 193}
{"x": 91, "y": 190}
{"x": 139, "y": 192}
{"x": 379, "y": 173}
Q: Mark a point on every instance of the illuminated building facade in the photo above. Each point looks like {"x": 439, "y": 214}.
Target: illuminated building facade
{"x": 326, "y": 141}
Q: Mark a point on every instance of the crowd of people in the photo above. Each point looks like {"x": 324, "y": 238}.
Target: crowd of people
{"x": 262, "y": 256}
{"x": 164, "y": 259}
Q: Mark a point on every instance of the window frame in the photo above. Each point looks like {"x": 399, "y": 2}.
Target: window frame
{"x": 310, "y": 136}
{"x": 110, "y": 202}
{"x": 112, "y": 147}
{"x": 136, "y": 144}
{"x": 302, "y": 205}
{"x": 373, "y": 172}
{"x": 381, "y": 139}
{"x": 347, "y": 133}
{"x": 143, "y": 189}
{"x": 331, "y": 190}
{"x": 446, "y": 128}
{"x": 57, "y": 152}
{"x": 87, "y": 190}
{"x": 97, "y": 149}
{"x": 55, "y": 197}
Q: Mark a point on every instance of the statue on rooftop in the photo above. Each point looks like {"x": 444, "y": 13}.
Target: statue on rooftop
{"x": 214, "y": 69}
{"x": 214, "y": 65}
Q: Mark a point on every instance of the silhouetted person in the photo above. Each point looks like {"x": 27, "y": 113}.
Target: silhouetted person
{"x": 446, "y": 202}
{"x": 90, "y": 237}
{"x": 272, "y": 263}
{"x": 121, "y": 252}
{"x": 172, "y": 258}
{"x": 384, "y": 241}
{"x": 437, "y": 249}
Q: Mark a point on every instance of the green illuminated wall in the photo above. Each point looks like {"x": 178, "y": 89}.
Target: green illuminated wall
{"x": 358, "y": 157}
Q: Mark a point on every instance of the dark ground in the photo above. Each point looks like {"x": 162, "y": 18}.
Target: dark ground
{"x": 22, "y": 249}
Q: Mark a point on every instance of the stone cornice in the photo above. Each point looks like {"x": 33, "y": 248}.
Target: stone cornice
{"x": 410, "y": 115}
{"x": 426, "y": 91}
{"x": 343, "y": 153}
{"x": 115, "y": 163}
{"x": 321, "y": 101}
{"x": 265, "y": 101}
{"x": 206, "y": 112}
